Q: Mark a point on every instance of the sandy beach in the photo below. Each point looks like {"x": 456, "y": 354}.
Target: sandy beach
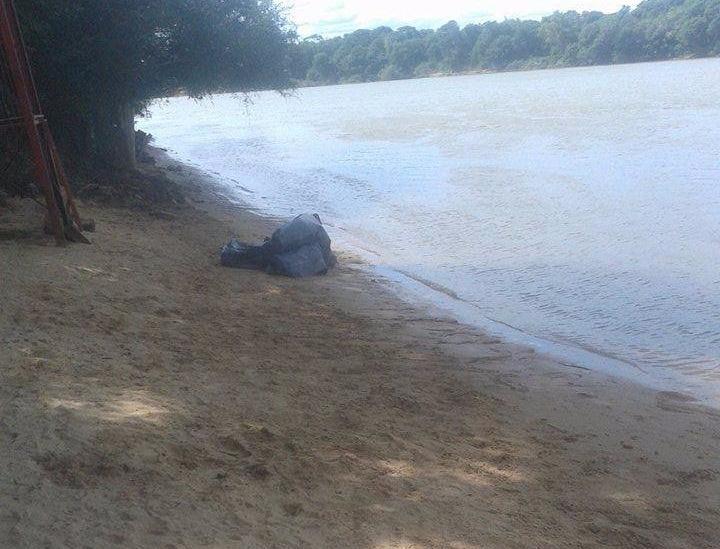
{"x": 151, "y": 398}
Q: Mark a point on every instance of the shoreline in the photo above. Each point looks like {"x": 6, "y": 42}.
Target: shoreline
{"x": 153, "y": 398}
{"x": 210, "y": 196}
{"x": 441, "y": 302}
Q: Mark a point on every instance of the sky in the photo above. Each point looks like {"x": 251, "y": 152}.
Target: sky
{"x": 335, "y": 17}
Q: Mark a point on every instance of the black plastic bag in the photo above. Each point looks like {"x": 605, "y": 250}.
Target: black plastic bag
{"x": 305, "y": 261}
{"x": 240, "y": 255}
{"x": 297, "y": 249}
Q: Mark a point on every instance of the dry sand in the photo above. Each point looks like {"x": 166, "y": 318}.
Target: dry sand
{"x": 151, "y": 398}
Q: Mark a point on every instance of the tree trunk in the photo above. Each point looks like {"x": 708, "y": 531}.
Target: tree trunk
{"x": 115, "y": 139}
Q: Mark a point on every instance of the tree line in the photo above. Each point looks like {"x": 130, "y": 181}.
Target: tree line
{"x": 654, "y": 30}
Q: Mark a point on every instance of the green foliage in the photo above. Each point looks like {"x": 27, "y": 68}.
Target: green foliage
{"x": 656, "y": 29}
{"x": 96, "y": 61}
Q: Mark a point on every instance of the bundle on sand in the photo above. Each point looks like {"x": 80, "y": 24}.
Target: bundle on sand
{"x": 298, "y": 249}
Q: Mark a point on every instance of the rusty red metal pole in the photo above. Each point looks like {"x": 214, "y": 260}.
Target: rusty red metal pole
{"x": 60, "y": 173}
{"x": 49, "y": 174}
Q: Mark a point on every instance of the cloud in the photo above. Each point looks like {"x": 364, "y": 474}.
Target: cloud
{"x": 334, "y": 17}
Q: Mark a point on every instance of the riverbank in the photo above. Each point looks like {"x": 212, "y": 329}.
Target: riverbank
{"x": 535, "y": 65}
{"x": 153, "y": 398}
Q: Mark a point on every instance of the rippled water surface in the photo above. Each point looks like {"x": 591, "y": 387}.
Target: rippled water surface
{"x": 578, "y": 205}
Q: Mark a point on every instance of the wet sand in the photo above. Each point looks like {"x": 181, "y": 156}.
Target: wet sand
{"x": 151, "y": 398}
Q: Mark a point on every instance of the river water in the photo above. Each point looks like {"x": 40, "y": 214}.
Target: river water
{"x": 578, "y": 206}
